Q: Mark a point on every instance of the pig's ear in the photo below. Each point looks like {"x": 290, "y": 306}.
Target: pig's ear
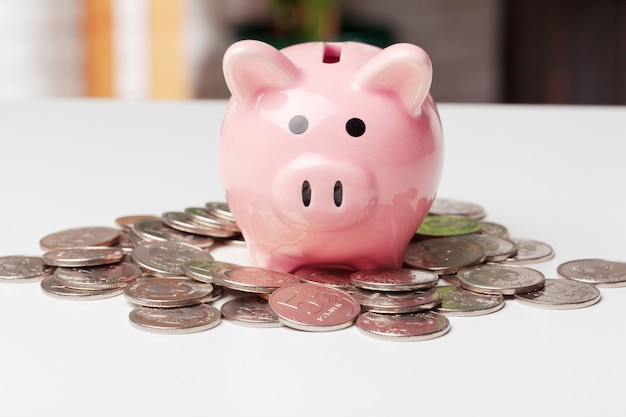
{"x": 251, "y": 67}
{"x": 403, "y": 69}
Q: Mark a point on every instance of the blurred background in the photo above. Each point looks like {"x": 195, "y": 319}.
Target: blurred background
{"x": 489, "y": 51}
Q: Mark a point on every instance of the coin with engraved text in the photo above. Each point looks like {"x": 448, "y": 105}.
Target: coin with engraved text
{"x": 600, "y": 272}
{"x": 20, "y": 268}
{"x": 500, "y": 279}
{"x": 167, "y": 292}
{"x": 394, "y": 279}
{"x": 392, "y": 302}
{"x": 180, "y": 320}
{"x": 403, "y": 327}
{"x": 252, "y": 311}
{"x": 97, "y": 277}
{"x": 446, "y": 255}
{"x": 314, "y": 307}
{"x": 81, "y": 236}
{"x": 561, "y": 294}
{"x": 457, "y": 301}
{"x": 165, "y": 258}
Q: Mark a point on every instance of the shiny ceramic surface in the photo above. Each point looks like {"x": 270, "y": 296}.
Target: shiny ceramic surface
{"x": 330, "y": 153}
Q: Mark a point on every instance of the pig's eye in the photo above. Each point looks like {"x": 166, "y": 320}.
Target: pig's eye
{"x": 355, "y": 127}
{"x": 298, "y": 124}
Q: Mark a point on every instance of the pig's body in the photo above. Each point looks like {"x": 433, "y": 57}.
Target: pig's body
{"x": 329, "y": 164}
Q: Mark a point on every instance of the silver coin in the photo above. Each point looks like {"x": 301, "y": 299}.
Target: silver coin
{"x": 394, "y": 279}
{"x": 446, "y": 255}
{"x": 440, "y": 226}
{"x": 403, "y": 327}
{"x": 204, "y": 270}
{"x": 20, "y": 268}
{"x": 54, "y": 289}
{"x": 253, "y": 279}
{"x": 494, "y": 229}
{"x": 154, "y": 229}
{"x": 165, "y": 258}
{"x": 338, "y": 278}
{"x": 202, "y": 216}
{"x": 450, "y": 207}
{"x": 177, "y": 220}
{"x": 127, "y": 222}
{"x": 530, "y": 251}
{"x": 83, "y": 256}
{"x": 179, "y": 320}
{"x": 561, "y": 294}
{"x": 496, "y": 248}
{"x": 250, "y": 311}
{"x": 457, "y": 301}
{"x": 500, "y": 279}
{"x": 397, "y": 302}
{"x": 97, "y": 277}
{"x": 600, "y": 272}
{"x": 82, "y": 236}
{"x": 167, "y": 292}
{"x": 220, "y": 209}
{"x": 314, "y": 307}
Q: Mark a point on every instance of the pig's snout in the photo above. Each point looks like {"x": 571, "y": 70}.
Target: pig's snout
{"x": 314, "y": 193}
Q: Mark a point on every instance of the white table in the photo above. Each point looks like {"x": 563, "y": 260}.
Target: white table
{"x": 554, "y": 174}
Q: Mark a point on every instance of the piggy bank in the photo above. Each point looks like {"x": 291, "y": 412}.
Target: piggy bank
{"x": 330, "y": 153}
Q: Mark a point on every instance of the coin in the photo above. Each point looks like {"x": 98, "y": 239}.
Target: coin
{"x": 314, "y": 307}
{"x": 496, "y": 248}
{"x": 457, "y": 301}
{"x": 397, "y": 302}
{"x": 450, "y": 207}
{"x": 334, "y": 277}
{"x": 438, "y": 226}
{"x": 221, "y": 210}
{"x": 204, "y": 270}
{"x": 530, "y": 251}
{"x": 600, "y": 272}
{"x": 561, "y": 294}
{"x": 165, "y": 258}
{"x": 177, "y": 220}
{"x": 54, "y": 289}
{"x": 83, "y": 256}
{"x": 500, "y": 279}
{"x": 178, "y": 320}
{"x": 20, "y": 268}
{"x": 202, "y": 216}
{"x": 403, "y": 327}
{"x": 97, "y": 277}
{"x": 154, "y": 229}
{"x": 394, "y": 279}
{"x": 82, "y": 236}
{"x": 167, "y": 292}
{"x": 253, "y": 279}
{"x": 127, "y": 222}
{"x": 446, "y": 255}
{"x": 250, "y": 311}
{"x": 494, "y": 229}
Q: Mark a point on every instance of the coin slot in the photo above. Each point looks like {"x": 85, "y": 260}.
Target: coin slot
{"x": 306, "y": 193}
{"x": 332, "y": 53}
{"x": 338, "y": 193}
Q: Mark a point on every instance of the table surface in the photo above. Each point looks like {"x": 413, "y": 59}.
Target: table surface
{"x": 551, "y": 173}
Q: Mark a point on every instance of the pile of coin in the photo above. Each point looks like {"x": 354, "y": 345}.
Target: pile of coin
{"x": 458, "y": 264}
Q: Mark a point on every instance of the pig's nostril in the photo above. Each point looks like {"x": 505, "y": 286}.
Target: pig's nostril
{"x": 338, "y": 193}
{"x": 306, "y": 193}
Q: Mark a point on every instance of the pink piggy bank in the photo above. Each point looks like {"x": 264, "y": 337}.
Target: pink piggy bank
{"x": 330, "y": 153}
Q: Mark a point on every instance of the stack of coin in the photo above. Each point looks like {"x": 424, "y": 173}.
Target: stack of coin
{"x": 198, "y": 226}
{"x": 172, "y": 305}
{"x": 87, "y": 272}
{"x": 396, "y": 303}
